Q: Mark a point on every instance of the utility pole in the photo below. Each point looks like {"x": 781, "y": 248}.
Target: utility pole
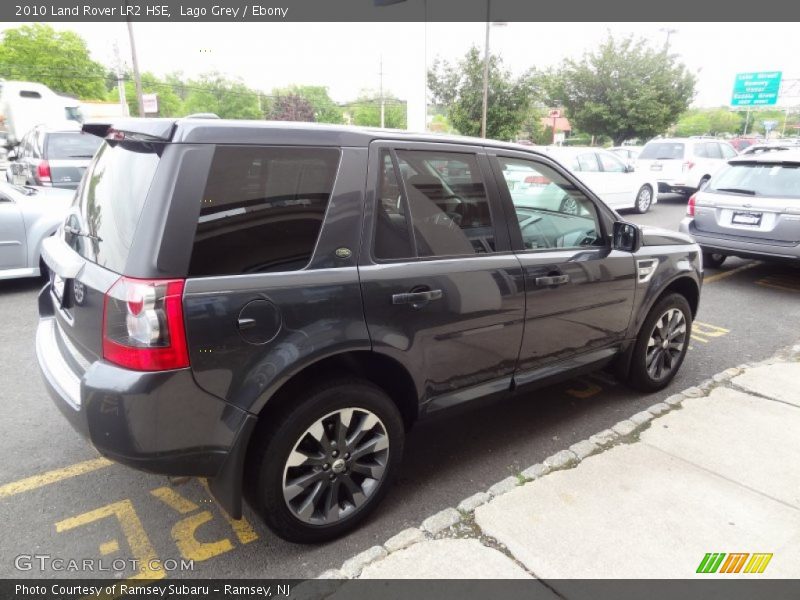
{"x": 120, "y": 81}
{"x": 136, "y": 77}
{"x": 746, "y": 121}
{"x": 484, "y": 104}
{"x": 383, "y": 102}
{"x": 669, "y": 31}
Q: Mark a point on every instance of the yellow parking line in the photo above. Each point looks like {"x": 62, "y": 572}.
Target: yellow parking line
{"x": 724, "y": 274}
{"x": 699, "y": 338}
{"x": 37, "y": 481}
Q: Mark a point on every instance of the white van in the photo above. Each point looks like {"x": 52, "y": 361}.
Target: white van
{"x": 25, "y": 104}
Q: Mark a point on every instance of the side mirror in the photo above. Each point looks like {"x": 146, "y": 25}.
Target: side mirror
{"x": 627, "y": 237}
{"x": 12, "y": 154}
{"x": 629, "y": 168}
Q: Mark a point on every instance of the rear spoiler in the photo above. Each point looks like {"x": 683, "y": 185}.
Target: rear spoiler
{"x": 149, "y": 130}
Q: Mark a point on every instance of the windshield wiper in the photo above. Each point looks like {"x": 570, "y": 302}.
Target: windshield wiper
{"x": 736, "y": 191}
{"x": 74, "y": 231}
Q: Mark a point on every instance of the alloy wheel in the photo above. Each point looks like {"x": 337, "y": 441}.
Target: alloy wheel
{"x": 335, "y": 466}
{"x": 666, "y": 344}
{"x": 569, "y": 206}
{"x": 644, "y": 198}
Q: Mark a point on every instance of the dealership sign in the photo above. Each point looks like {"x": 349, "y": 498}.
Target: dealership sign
{"x": 756, "y": 89}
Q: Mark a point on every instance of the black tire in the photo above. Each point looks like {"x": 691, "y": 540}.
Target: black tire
{"x": 641, "y": 375}
{"x": 644, "y": 199}
{"x": 713, "y": 259}
{"x": 283, "y": 437}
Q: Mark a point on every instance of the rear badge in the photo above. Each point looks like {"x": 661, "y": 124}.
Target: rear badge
{"x": 78, "y": 292}
{"x": 343, "y": 253}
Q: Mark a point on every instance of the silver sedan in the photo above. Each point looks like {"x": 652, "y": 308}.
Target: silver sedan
{"x": 28, "y": 215}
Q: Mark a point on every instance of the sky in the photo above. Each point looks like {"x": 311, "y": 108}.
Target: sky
{"x": 346, "y": 57}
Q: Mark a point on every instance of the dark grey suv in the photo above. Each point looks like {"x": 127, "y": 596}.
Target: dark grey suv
{"x": 272, "y": 306}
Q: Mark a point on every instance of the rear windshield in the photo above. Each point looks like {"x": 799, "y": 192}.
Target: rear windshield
{"x": 662, "y": 151}
{"x": 262, "y": 209}
{"x": 758, "y": 179}
{"x": 110, "y": 200}
{"x": 71, "y": 145}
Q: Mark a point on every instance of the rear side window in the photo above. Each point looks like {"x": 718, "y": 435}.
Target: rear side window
{"x": 110, "y": 200}
{"x": 71, "y": 145}
{"x": 662, "y": 151}
{"x": 262, "y": 209}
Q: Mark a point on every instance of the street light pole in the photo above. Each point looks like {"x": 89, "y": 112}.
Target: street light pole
{"x": 484, "y": 105}
{"x": 669, "y": 31}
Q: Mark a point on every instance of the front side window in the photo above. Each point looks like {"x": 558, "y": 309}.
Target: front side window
{"x": 444, "y": 199}
{"x": 587, "y": 162}
{"x": 555, "y": 215}
{"x": 712, "y": 150}
{"x": 262, "y": 209}
{"x": 611, "y": 164}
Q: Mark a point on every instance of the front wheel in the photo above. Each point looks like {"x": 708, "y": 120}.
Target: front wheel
{"x": 662, "y": 344}
{"x": 321, "y": 469}
{"x": 644, "y": 199}
{"x": 713, "y": 259}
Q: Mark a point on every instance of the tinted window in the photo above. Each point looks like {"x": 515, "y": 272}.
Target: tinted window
{"x": 662, "y": 151}
{"x": 611, "y": 164}
{"x": 753, "y": 179}
{"x": 110, "y": 201}
{"x": 712, "y": 150}
{"x": 447, "y": 203}
{"x": 555, "y": 214}
{"x": 71, "y": 145}
{"x": 727, "y": 151}
{"x": 588, "y": 162}
{"x": 262, "y": 209}
{"x": 392, "y": 239}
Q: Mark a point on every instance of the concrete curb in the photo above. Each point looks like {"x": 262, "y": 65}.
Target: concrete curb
{"x": 452, "y": 522}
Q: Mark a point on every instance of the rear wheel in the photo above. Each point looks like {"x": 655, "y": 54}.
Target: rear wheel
{"x": 644, "y": 199}
{"x": 713, "y": 259}
{"x": 322, "y": 468}
{"x": 662, "y": 344}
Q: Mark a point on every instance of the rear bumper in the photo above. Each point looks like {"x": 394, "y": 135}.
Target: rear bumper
{"x": 736, "y": 247}
{"x": 160, "y": 422}
{"x": 665, "y": 187}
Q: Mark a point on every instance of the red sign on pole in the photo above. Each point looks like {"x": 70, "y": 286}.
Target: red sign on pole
{"x": 555, "y": 113}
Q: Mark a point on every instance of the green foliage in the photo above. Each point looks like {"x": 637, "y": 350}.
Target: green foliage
{"x": 169, "y": 103}
{"x": 227, "y": 98}
{"x": 324, "y": 109}
{"x": 459, "y": 89}
{"x": 624, "y": 89}
{"x": 58, "y": 59}
{"x": 290, "y": 107}
{"x": 366, "y": 111}
{"x": 708, "y": 121}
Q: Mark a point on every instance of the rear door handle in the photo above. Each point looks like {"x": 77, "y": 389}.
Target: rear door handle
{"x": 417, "y": 298}
{"x": 552, "y": 280}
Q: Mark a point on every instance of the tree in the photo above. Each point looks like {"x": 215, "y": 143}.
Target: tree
{"x": 169, "y": 103}
{"x": 458, "y": 88}
{"x": 623, "y": 89}
{"x": 366, "y": 111}
{"x": 227, "y": 98}
{"x": 291, "y": 107}
{"x": 708, "y": 121}
{"x": 58, "y": 59}
{"x": 324, "y": 109}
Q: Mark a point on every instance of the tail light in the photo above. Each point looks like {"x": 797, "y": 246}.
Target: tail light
{"x": 537, "y": 180}
{"x": 43, "y": 171}
{"x": 688, "y": 166}
{"x": 143, "y": 325}
{"x": 691, "y": 205}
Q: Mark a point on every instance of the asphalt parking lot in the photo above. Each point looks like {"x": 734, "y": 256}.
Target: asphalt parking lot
{"x": 59, "y": 498}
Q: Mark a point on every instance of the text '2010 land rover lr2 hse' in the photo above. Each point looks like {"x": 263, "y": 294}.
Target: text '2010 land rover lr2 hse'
{"x": 272, "y": 306}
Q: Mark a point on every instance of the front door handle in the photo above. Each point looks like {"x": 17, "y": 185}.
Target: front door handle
{"x": 552, "y": 280}
{"x": 417, "y": 299}
{"x": 246, "y": 323}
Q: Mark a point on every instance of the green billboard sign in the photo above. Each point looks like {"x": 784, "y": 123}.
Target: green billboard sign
{"x": 756, "y": 89}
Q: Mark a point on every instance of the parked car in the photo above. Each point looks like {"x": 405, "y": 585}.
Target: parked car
{"x": 626, "y": 153}
{"x": 620, "y": 185}
{"x": 53, "y": 156}
{"x": 3, "y": 150}
{"x": 28, "y": 215}
{"x": 771, "y": 147}
{"x": 750, "y": 209}
{"x": 682, "y": 165}
{"x": 272, "y": 306}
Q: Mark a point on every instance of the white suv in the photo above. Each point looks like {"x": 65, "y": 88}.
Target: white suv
{"x": 683, "y": 165}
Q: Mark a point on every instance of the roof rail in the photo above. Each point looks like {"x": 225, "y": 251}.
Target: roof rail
{"x": 205, "y": 115}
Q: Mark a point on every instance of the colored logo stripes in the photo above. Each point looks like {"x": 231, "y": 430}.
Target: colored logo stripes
{"x": 735, "y": 562}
